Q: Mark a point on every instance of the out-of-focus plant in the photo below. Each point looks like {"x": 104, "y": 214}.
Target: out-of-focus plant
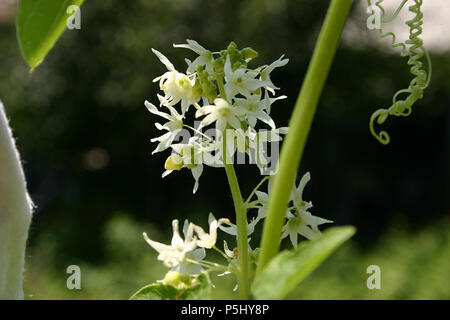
{"x": 39, "y": 25}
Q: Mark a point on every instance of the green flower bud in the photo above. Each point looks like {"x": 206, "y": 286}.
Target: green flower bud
{"x": 238, "y": 64}
{"x": 232, "y": 46}
{"x": 173, "y": 162}
{"x": 218, "y": 64}
{"x": 197, "y": 90}
{"x": 209, "y": 90}
{"x": 249, "y": 53}
{"x": 176, "y": 279}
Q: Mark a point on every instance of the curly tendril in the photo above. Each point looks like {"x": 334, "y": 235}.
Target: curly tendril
{"x": 413, "y": 49}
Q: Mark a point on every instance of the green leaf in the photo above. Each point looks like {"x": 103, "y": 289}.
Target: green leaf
{"x": 39, "y": 24}
{"x": 200, "y": 289}
{"x": 290, "y": 267}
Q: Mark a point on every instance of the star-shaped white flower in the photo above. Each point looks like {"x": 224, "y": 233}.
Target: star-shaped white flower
{"x": 222, "y": 113}
{"x": 255, "y": 110}
{"x": 176, "y": 85}
{"x": 263, "y": 199}
{"x": 241, "y": 80}
{"x": 268, "y": 101}
{"x": 208, "y": 240}
{"x": 194, "y": 155}
{"x": 265, "y": 73}
{"x": 188, "y": 267}
{"x": 232, "y": 228}
{"x": 303, "y": 223}
{"x": 205, "y": 57}
{"x": 173, "y": 126}
{"x": 232, "y": 254}
{"x": 172, "y": 255}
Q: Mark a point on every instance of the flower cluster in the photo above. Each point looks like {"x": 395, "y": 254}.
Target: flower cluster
{"x": 186, "y": 256}
{"x": 228, "y": 97}
{"x": 231, "y": 99}
{"x": 298, "y": 219}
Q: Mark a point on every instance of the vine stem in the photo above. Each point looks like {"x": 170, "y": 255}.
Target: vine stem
{"x": 299, "y": 126}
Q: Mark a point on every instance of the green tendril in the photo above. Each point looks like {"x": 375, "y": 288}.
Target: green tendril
{"x": 415, "y": 51}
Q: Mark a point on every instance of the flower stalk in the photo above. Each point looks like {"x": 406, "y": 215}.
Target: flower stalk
{"x": 241, "y": 221}
{"x": 299, "y": 126}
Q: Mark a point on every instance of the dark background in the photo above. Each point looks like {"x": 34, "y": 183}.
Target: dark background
{"x": 84, "y": 133}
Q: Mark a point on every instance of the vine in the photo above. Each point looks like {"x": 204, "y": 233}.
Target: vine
{"x": 413, "y": 49}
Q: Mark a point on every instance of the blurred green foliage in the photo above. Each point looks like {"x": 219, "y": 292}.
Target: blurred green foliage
{"x": 414, "y": 264}
{"x": 83, "y": 133}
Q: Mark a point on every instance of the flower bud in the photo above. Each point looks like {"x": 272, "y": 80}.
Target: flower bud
{"x": 174, "y": 162}
{"x": 176, "y": 279}
{"x": 249, "y": 53}
{"x": 218, "y": 64}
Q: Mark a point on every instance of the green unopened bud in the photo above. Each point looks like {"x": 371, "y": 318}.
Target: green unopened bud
{"x": 218, "y": 64}
{"x": 209, "y": 90}
{"x": 197, "y": 90}
{"x": 176, "y": 279}
{"x": 173, "y": 162}
{"x": 199, "y": 69}
{"x": 238, "y": 65}
{"x": 249, "y": 53}
{"x": 232, "y": 46}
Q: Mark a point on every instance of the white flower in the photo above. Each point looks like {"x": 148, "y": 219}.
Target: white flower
{"x": 268, "y": 101}
{"x": 199, "y": 151}
{"x": 175, "y": 253}
{"x": 265, "y": 73}
{"x": 254, "y": 110}
{"x": 304, "y": 224}
{"x": 241, "y": 80}
{"x": 232, "y": 254}
{"x": 205, "y": 57}
{"x": 173, "y": 126}
{"x": 208, "y": 240}
{"x": 232, "y": 228}
{"x": 193, "y": 155}
{"x": 176, "y": 86}
{"x": 302, "y": 221}
{"x": 222, "y": 113}
{"x": 297, "y": 194}
{"x": 295, "y": 226}
{"x": 198, "y": 254}
{"x": 263, "y": 198}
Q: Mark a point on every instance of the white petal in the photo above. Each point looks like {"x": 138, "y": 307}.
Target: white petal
{"x": 177, "y": 241}
{"x": 164, "y": 60}
{"x": 159, "y": 247}
{"x": 166, "y": 173}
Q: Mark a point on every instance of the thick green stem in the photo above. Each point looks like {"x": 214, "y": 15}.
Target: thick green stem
{"x": 299, "y": 126}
